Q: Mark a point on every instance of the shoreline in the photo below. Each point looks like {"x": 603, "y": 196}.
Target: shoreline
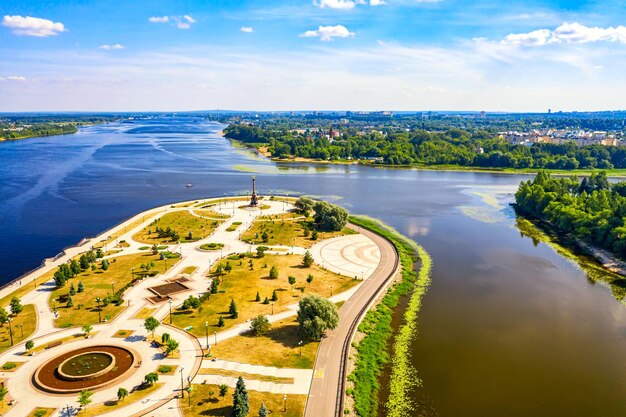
{"x": 611, "y": 173}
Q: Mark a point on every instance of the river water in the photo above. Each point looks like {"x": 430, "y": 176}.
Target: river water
{"x": 507, "y": 328}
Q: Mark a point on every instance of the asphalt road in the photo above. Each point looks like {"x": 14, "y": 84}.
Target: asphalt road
{"x": 326, "y": 394}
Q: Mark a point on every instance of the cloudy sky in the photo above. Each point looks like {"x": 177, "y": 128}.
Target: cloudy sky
{"x": 132, "y": 55}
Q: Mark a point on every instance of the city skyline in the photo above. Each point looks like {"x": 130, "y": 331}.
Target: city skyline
{"x": 312, "y": 55}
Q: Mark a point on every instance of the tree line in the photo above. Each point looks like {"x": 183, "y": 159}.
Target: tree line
{"x": 591, "y": 209}
{"x": 452, "y": 146}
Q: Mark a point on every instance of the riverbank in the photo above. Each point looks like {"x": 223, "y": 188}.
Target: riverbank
{"x": 594, "y": 263}
{"x": 376, "y": 330}
{"x": 262, "y": 151}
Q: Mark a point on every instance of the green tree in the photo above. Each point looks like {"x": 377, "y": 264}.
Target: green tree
{"x": 151, "y": 324}
{"x": 274, "y": 296}
{"x": 309, "y": 279}
{"x": 314, "y": 235}
{"x": 165, "y": 337}
{"x": 81, "y": 287}
{"x": 219, "y": 271}
{"x": 215, "y": 283}
{"x": 228, "y": 267}
{"x": 151, "y": 378}
{"x": 72, "y": 289}
{"x": 316, "y": 315}
{"x": 4, "y": 317}
{"x": 260, "y": 251}
{"x": 29, "y": 345}
{"x": 170, "y": 346}
{"x": 329, "y": 216}
{"x": 220, "y": 322}
{"x": 87, "y": 329}
{"x": 155, "y": 249}
{"x": 258, "y": 297}
{"x": 70, "y": 302}
{"x": 84, "y": 398}
{"x": 307, "y": 260}
{"x": 263, "y": 412}
{"x": 223, "y": 390}
{"x": 241, "y": 405}
{"x": 122, "y": 393}
{"x": 3, "y": 393}
{"x": 232, "y": 309}
{"x": 105, "y": 264}
{"x": 292, "y": 280}
{"x": 264, "y": 237}
{"x": 16, "y": 306}
{"x": 260, "y": 325}
{"x": 273, "y": 272}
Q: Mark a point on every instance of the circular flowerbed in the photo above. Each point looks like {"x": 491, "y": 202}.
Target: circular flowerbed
{"x": 212, "y": 246}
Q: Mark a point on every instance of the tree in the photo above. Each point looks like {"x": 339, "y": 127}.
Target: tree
{"x": 273, "y": 272}
{"x": 274, "y": 296}
{"x": 190, "y": 302}
{"x": 220, "y": 322}
{"x": 72, "y": 289}
{"x": 228, "y": 267}
{"x": 122, "y": 393}
{"x": 304, "y": 204}
{"x": 316, "y": 315}
{"x": 105, "y": 264}
{"x": 232, "y": 309}
{"x": 258, "y": 297}
{"x": 165, "y": 337}
{"x": 84, "y": 398}
{"x": 99, "y": 253}
{"x": 307, "y": 260}
{"x": 16, "y": 306}
{"x": 215, "y": 283}
{"x": 81, "y": 287}
{"x": 70, "y": 302}
{"x": 29, "y": 345}
{"x": 263, "y": 412}
{"x": 264, "y": 237}
{"x": 151, "y": 324}
{"x": 155, "y": 249}
{"x": 329, "y": 216}
{"x": 223, "y": 390}
{"x": 87, "y": 329}
{"x": 260, "y": 251}
{"x": 3, "y": 393}
{"x": 151, "y": 378}
{"x": 260, "y": 325}
{"x": 309, "y": 279}
{"x": 170, "y": 346}
{"x": 292, "y": 280}
{"x": 219, "y": 270}
{"x": 4, "y": 316}
{"x": 241, "y": 405}
{"x": 314, "y": 235}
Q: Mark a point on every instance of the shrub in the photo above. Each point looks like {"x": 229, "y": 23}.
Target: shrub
{"x": 9, "y": 365}
{"x": 165, "y": 369}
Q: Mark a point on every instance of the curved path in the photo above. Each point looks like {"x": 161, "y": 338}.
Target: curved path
{"x": 328, "y": 386}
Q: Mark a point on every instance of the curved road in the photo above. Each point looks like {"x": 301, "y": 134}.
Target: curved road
{"x": 328, "y": 386}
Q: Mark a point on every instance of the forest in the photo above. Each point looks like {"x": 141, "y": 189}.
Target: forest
{"x": 592, "y": 210}
{"x": 478, "y": 148}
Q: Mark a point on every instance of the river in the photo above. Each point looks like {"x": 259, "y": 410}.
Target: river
{"x": 507, "y": 328}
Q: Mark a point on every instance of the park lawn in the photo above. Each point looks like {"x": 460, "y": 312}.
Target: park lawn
{"x": 17, "y": 365}
{"x": 235, "y": 374}
{"x": 48, "y": 411}
{"x": 98, "y": 285}
{"x": 290, "y": 215}
{"x": 189, "y": 270}
{"x": 112, "y": 405}
{"x": 27, "y": 318}
{"x": 242, "y": 285}
{"x": 172, "y": 370}
{"x": 145, "y": 312}
{"x": 68, "y": 339}
{"x": 112, "y": 237}
{"x": 209, "y": 203}
{"x": 207, "y": 212}
{"x": 278, "y": 348}
{"x": 204, "y": 405}
{"x": 182, "y": 222}
{"x": 287, "y": 233}
{"x": 123, "y": 333}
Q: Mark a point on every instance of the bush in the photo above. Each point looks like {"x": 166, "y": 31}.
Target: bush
{"x": 316, "y": 315}
{"x": 164, "y": 369}
{"x": 9, "y": 365}
{"x": 260, "y": 325}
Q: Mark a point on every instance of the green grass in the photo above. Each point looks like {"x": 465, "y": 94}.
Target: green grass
{"x": 287, "y": 233}
{"x": 182, "y": 222}
{"x": 212, "y": 246}
{"x": 373, "y": 353}
{"x": 26, "y": 321}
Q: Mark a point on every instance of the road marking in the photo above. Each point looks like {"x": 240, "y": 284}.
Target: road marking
{"x": 319, "y": 374}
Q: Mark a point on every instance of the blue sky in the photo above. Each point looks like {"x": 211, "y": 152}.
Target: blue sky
{"x": 138, "y": 55}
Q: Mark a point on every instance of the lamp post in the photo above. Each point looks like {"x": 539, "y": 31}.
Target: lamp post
{"x": 285, "y": 401}
{"x": 170, "y": 303}
{"x": 331, "y": 290}
{"x": 182, "y": 384}
{"x": 272, "y": 308}
{"x": 22, "y": 330}
{"x": 215, "y": 334}
{"x": 112, "y": 288}
{"x": 300, "y": 345}
{"x": 206, "y": 326}
{"x": 10, "y": 331}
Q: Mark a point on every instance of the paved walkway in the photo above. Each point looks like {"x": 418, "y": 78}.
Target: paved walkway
{"x": 352, "y": 255}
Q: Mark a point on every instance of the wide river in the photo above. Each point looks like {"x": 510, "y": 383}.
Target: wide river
{"x": 507, "y": 328}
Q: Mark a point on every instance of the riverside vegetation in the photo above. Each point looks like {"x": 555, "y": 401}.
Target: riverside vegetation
{"x": 373, "y": 354}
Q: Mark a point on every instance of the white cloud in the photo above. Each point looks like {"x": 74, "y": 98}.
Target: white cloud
{"x": 327, "y": 33}
{"x": 18, "y": 78}
{"x": 572, "y": 33}
{"x": 114, "y": 46}
{"x": 377, "y": 2}
{"x": 337, "y": 4}
{"x": 247, "y": 29}
{"x": 159, "y": 19}
{"x": 32, "y": 26}
{"x": 189, "y": 19}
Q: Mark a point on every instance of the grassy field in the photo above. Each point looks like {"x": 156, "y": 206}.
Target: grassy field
{"x": 182, "y": 222}
{"x": 208, "y": 203}
{"x": 48, "y": 412}
{"x": 207, "y": 212}
{"x": 189, "y": 270}
{"x": 26, "y": 321}
{"x": 98, "y": 285}
{"x": 114, "y": 404}
{"x": 123, "y": 333}
{"x": 279, "y": 348}
{"x": 205, "y": 405}
{"x": 287, "y": 233}
{"x": 111, "y": 238}
{"x": 242, "y": 285}
{"x": 144, "y": 313}
{"x": 235, "y": 374}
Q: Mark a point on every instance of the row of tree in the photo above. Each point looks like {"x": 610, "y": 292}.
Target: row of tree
{"x": 592, "y": 210}
{"x": 452, "y": 146}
